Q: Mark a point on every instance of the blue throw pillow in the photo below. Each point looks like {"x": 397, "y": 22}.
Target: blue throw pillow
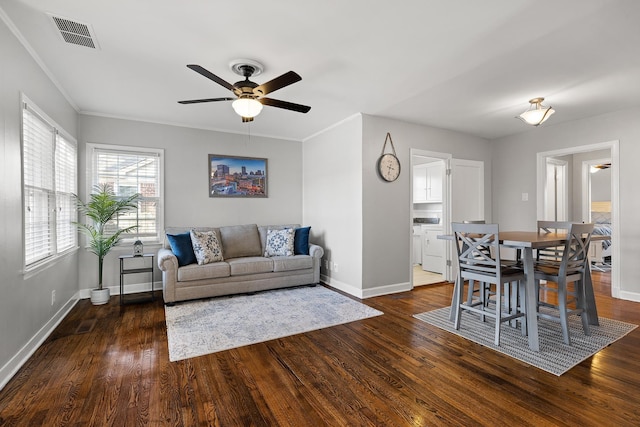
{"x": 301, "y": 241}
{"x": 182, "y": 248}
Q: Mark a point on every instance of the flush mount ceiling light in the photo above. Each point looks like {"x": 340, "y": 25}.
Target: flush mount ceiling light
{"x": 537, "y": 113}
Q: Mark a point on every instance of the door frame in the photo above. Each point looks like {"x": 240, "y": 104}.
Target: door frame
{"x": 614, "y": 147}
{"x": 446, "y": 157}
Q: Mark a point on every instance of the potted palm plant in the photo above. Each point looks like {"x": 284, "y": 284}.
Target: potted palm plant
{"x": 102, "y": 207}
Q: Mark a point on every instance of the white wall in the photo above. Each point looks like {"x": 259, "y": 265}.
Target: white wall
{"x": 387, "y": 228}
{"x": 332, "y": 205}
{"x": 26, "y": 312}
{"x": 187, "y": 201}
{"x": 515, "y": 172}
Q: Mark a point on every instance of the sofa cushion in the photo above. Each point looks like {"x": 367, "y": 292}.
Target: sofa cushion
{"x": 250, "y": 265}
{"x": 208, "y": 271}
{"x": 279, "y": 242}
{"x": 240, "y": 241}
{"x": 181, "y": 248}
{"x": 289, "y": 263}
{"x": 206, "y": 247}
{"x": 301, "y": 241}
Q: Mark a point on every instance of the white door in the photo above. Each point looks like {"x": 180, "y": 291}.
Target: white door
{"x": 466, "y": 188}
{"x": 556, "y": 198}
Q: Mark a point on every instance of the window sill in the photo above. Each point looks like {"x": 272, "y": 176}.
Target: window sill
{"x": 45, "y": 264}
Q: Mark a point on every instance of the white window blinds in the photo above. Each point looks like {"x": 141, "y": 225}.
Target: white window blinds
{"x": 129, "y": 172}
{"x": 50, "y": 179}
{"x": 66, "y": 183}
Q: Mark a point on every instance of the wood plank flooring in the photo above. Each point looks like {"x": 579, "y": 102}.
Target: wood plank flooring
{"x": 108, "y": 365}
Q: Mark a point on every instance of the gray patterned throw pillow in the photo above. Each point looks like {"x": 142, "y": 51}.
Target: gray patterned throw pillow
{"x": 279, "y": 242}
{"x": 206, "y": 247}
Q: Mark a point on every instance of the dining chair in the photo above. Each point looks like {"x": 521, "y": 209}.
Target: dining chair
{"x": 478, "y": 250}
{"x": 552, "y": 253}
{"x": 482, "y": 288}
{"x": 558, "y": 274}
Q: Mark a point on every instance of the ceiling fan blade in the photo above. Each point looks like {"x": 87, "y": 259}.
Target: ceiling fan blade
{"x": 278, "y": 83}
{"x": 284, "y": 104}
{"x": 208, "y": 74}
{"x": 197, "y": 101}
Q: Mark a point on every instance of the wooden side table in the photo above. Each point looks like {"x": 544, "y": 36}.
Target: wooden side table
{"x": 124, "y": 271}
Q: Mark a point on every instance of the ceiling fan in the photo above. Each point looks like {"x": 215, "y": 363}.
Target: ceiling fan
{"x": 250, "y": 96}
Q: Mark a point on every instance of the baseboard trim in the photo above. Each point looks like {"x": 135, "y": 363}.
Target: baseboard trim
{"x": 626, "y": 295}
{"x": 20, "y": 358}
{"x": 386, "y": 290}
{"x": 133, "y": 288}
{"x": 366, "y": 293}
{"x": 341, "y": 286}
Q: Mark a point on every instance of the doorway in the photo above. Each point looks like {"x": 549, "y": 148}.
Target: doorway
{"x": 428, "y": 202}
{"x": 580, "y": 207}
{"x": 461, "y": 198}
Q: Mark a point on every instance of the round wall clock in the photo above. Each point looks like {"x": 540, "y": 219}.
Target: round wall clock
{"x": 389, "y": 167}
{"x": 388, "y": 163}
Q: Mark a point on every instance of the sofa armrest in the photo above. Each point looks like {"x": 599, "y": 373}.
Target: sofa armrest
{"x": 167, "y": 260}
{"x": 316, "y": 251}
{"x": 168, "y": 264}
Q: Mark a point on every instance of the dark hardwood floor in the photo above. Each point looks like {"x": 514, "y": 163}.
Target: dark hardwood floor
{"x": 108, "y": 365}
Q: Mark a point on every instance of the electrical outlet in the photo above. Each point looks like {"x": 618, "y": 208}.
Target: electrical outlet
{"x": 53, "y": 297}
{"x": 335, "y": 267}
{"x": 525, "y": 197}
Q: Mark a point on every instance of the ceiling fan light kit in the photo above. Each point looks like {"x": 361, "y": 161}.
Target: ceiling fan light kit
{"x": 246, "y": 107}
{"x": 250, "y": 96}
{"x": 537, "y": 113}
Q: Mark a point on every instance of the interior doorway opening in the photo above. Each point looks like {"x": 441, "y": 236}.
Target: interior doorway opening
{"x": 429, "y": 207}
{"x": 581, "y": 207}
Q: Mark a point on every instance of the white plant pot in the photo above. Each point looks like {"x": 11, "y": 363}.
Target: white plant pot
{"x": 100, "y": 296}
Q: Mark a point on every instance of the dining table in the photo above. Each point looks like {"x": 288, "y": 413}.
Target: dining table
{"x": 527, "y": 241}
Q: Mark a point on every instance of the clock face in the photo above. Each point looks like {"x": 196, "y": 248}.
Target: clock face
{"x": 389, "y": 167}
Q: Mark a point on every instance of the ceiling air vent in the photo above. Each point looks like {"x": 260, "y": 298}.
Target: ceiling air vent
{"x": 75, "y": 32}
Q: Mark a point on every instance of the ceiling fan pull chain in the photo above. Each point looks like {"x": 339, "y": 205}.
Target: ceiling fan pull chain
{"x": 388, "y": 138}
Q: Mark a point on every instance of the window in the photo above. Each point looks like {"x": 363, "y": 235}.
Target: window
{"x": 131, "y": 170}
{"x": 49, "y": 168}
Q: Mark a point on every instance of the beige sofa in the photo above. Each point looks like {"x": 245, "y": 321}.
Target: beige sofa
{"x": 245, "y": 269}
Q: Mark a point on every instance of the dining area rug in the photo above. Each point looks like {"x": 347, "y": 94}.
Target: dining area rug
{"x": 196, "y": 328}
{"x": 554, "y": 356}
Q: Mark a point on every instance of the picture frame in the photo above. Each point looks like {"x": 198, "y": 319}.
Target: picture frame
{"x": 237, "y": 177}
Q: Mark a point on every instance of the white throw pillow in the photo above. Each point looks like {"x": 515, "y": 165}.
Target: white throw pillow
{"x": 206, "y": 247}
{"x": 279, "y": 242}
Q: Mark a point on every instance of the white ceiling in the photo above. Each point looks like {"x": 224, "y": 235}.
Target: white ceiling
{"x": 465, "y": 65}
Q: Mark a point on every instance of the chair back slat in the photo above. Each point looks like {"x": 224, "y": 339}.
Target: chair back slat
{"x": 475, "y": 245}
{"x": 576, "y": 252}
{"x": 552, "y": 255}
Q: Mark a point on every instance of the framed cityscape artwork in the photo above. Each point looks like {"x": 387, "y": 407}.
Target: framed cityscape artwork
{"x": 234, "y": 176}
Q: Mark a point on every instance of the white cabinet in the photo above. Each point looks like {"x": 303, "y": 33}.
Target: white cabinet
{"x": 434, "y": 181}
{"x": 419, "y": 184}
{"x": 427, "y": 183}
{"x": 432, "y": 251}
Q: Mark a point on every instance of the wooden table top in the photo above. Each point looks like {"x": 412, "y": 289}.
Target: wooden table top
{"x": 532, "y": 239}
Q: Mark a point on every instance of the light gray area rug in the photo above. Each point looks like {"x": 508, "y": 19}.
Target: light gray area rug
{"x": 554, "y": 356}
{"x": 208, "y": 326}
